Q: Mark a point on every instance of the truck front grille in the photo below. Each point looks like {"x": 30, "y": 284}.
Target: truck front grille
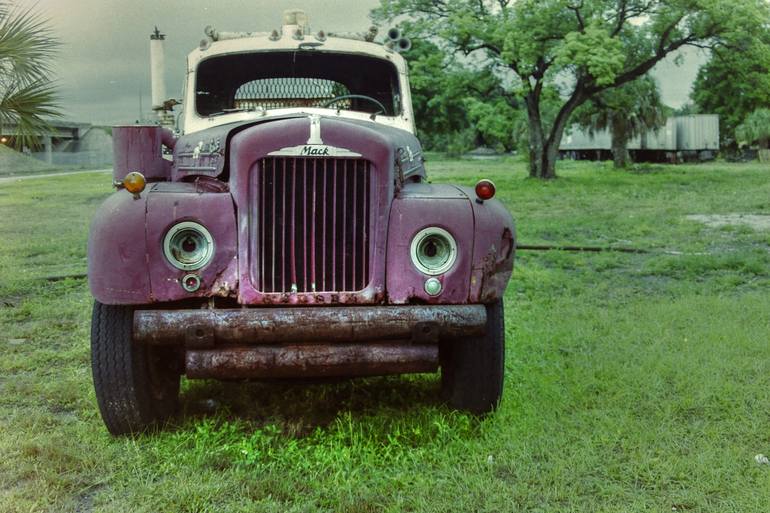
{"x": 313, "y": 221}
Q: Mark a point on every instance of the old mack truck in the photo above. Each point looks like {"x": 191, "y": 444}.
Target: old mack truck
{"x": 287, "y": 229}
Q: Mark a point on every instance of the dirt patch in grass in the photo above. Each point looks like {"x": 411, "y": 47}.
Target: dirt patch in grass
{"x": 760, "y": 222}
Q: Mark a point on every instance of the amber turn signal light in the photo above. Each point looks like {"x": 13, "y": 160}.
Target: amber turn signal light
{"x": 485, "y": 189}
{"x": 135, "y": 182}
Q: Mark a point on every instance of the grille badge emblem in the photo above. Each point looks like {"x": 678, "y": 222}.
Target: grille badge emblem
{"x": 315, "y": 146}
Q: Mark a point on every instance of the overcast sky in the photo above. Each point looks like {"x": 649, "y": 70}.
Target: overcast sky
{"x": 103, "y": 68}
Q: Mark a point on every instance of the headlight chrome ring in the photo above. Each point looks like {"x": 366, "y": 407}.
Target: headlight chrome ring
{"x": 433, "y": 251}
{"x": 188, "y": 246}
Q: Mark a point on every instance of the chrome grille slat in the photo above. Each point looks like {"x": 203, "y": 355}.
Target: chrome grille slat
{"x": 313, "y": 224}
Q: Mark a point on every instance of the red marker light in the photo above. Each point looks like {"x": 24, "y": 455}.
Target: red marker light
{"x": 485, "y": 189}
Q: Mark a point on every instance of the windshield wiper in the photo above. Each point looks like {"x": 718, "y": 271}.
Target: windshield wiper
{"x": 239, "y": 109}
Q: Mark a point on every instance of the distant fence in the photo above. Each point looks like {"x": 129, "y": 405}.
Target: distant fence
{"x": 95, "y": 158}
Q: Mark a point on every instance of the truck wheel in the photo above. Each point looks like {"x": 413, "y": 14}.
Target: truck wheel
{"x": 137, "y": 386}
{"x": 472, "y": 369}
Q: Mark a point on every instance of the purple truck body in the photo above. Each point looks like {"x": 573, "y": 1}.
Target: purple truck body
{"x": 127, "y": 266}
{"x": 292, "y": 232}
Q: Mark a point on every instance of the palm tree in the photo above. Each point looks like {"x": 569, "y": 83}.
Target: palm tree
{"x": 755, "y": 128}
{"x": 626, "y": 112}
{"x": 27, "y": 94}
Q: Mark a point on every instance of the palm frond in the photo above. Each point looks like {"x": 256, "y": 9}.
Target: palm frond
{"x": 755, "y": 127}
{"x": 27, "y": 44}
{"x": 27, "y": 94}
{"x": 27, "y": 106}
{"x": 635, "y": 108}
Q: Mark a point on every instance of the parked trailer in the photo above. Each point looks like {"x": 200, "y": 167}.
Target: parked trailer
{"x": 697, "y": 132}
{"x": 694, "y": 137}
{"x": 664, "y": 139}
{"x": 579, "y": 144}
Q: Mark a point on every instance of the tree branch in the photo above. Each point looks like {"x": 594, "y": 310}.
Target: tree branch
{"x": 482, "y": 46}
{"x": 646, "y": 65}
{"x": 626, "y": 13}
{"x": 621, "y": 18}
{"x": 579, "y": 17}
{"x": 667, "y": 32}
{"x": 578, "y": 97}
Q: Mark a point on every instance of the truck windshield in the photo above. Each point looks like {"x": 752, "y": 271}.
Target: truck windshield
{"x": 303, "y": 78}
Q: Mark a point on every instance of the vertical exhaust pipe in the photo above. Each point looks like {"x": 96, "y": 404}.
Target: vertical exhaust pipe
{"x": 158, "y": 71}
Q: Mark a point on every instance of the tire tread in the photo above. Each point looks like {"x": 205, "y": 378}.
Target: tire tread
{"x": 120, "y": 373}
{"x": 473, "y": 369}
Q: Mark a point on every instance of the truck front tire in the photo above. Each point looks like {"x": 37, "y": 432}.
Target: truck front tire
{"x": 137, "y": 386}
{"x": 472, "y": 369}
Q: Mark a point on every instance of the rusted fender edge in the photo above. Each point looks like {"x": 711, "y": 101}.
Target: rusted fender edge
{"x": 311, "y": 361}
{"x": 201, "y": 328}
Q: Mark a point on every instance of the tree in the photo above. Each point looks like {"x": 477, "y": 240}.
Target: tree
{"x": 583, "y": 47}
{"x": 451, "y": 112}
{"x": 497, "y": 124}
{"x": 735, "y": 82}
{"x": 626, "y": 111}
{"x": 756, "y": 128}
{"x": 688, "y": 109}
{"x": 27, "y": 94}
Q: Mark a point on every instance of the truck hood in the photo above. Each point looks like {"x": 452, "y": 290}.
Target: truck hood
{"x": 209, "y": 152}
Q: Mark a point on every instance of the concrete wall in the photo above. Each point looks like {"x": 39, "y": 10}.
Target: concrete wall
{"x": 92, "y": 149}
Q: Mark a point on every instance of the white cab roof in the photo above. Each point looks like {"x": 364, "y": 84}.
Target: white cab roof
{"x": 262, "y": 42}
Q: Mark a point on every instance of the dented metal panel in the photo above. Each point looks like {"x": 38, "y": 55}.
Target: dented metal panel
{"x": 418, "y": 206}
{"x": 167, "y": 206}
{"x": 140, "y": 148}
{"x": 117, "y": 251}
{"x": 494, "y": 248}
{"x": 201, "y": 153}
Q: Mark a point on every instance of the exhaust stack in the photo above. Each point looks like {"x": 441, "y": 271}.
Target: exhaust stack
{"x": 158, "y": 71}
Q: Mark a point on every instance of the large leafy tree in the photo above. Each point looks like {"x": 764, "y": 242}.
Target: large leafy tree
{"x": 583, "y": 47}
{"x": 27, "y": 94}
{"x": 461, "y": 102}
{"x": 451, "y": 101}
{"x": 735, "y": 82}
{"x": 626, "y": 111}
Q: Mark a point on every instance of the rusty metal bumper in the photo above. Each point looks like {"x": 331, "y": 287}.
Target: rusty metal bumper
{"x": 309, "y": 341}
{"x": 203, "y": 328}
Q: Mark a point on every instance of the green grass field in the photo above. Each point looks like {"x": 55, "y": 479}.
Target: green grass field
{"x": 635, "y": 382}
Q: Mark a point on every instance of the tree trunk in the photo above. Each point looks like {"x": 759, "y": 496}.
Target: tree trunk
{"x": 551, "y": 153}
{"x": 620, "y": 156}
{"x": 535, "y": 135}
{"x": 550, "y": 156}
{"x": 542, "y": 158}
{"x": 543, "y": 153}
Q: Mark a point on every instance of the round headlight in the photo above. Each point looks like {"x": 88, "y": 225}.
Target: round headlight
{"x": 188, "y": 246}
{"x": 433, "y": 250}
